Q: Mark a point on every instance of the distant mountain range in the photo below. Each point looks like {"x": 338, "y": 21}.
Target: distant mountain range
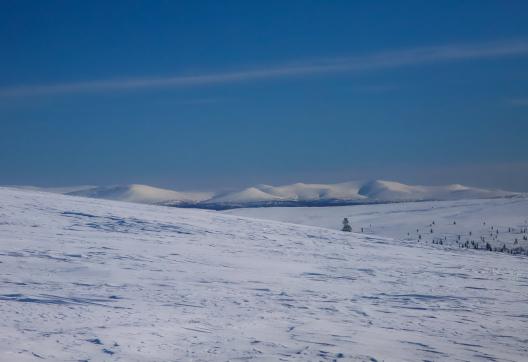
{"x": 299, "y": 194}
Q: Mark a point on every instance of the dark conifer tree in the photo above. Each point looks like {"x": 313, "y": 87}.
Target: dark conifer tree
{"x": 346, "y": 225}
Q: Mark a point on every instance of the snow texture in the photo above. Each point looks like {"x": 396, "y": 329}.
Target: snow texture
{"x": 88, "y": 279}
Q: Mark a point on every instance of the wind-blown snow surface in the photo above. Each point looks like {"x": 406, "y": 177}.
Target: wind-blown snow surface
{"x": 88, "y": 279}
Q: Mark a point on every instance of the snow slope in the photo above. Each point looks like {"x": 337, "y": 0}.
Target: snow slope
{"x": 142, "y": 194}
{"x": 295, "y": 192}
{"x": 394, "y": 191}
{"x": 407, "y": 220}
{"x": 89, "y": 279}
{"x": 249, "y": 195}
{"x": 57, "y": 190}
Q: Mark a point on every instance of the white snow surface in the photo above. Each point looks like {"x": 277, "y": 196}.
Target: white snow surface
{"x": 251, "y": 194}
{"x": 407, "y": 220}
{"x": 99, "y": 280}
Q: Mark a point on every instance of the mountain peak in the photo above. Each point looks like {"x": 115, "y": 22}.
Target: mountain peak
{"x": 297, "y": 194}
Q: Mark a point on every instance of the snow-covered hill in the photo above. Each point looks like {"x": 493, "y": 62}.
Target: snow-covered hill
{"x": 499, "y": 221}
{"x": 142, "y": 194}
{"x": 354, "y": 192}
{"x": 394, "y": 191}
{"x": 89, "y": 279}
{"x": 299, "y": 194}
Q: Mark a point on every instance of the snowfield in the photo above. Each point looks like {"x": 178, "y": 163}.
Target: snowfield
{"x": 495, "y": 221}
{"x": 90, "y": 279}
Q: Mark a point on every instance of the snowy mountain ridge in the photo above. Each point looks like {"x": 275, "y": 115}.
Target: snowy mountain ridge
{"x": 298, "y": 194}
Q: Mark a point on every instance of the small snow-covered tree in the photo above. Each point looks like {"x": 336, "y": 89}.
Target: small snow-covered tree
{"x": 346, "y": 225}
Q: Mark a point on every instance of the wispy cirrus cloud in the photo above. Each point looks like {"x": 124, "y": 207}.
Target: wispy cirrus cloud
{"x": 519, "y": 102}
{"x": 353, "y": 64}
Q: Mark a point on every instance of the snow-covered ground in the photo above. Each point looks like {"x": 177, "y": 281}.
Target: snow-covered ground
{"x": 90, "y": 279}
{"x": 453, "y": 223}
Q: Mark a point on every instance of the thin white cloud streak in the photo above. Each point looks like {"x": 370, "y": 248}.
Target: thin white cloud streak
{"x": 519, "y": 102}
{"x": 364, "y": 63}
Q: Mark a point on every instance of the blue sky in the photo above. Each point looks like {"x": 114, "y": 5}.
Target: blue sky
{"x": 208, "y": 95}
